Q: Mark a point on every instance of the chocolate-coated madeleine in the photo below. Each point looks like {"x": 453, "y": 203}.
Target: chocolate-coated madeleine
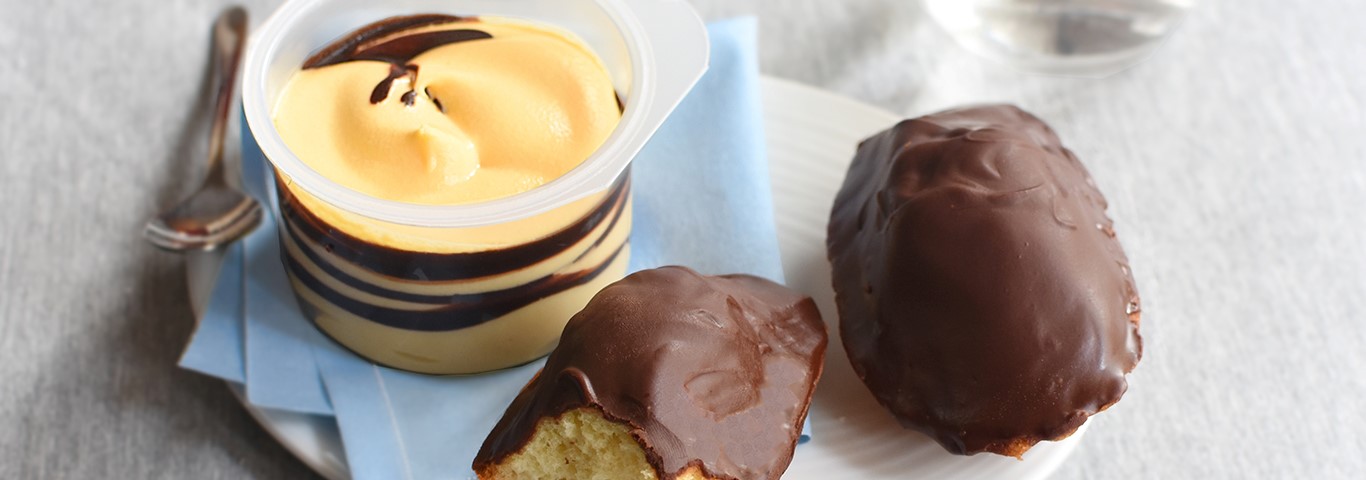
{"x": 668, "y": 374}
{"x": 983, "y": 297}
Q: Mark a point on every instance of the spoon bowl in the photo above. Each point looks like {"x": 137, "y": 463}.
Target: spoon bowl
{"x": 218, "y": 213}
{"x": 213, "y": 216}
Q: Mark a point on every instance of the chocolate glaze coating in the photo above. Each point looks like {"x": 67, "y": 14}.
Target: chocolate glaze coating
{"x": 715, "y": 372}
{"x": 983, "y": 297}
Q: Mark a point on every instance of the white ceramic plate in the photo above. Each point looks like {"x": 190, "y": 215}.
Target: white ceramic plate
{"x": 812, "y": 135}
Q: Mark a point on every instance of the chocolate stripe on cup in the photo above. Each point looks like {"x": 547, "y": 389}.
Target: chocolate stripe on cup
{"x": 289, "y": 234}
{"x": 436, "y": 267}
{"x": 607, "y": 233}
{"x": 463, "y": 311}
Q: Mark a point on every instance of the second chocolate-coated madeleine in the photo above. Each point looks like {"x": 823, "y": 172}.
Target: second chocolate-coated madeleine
{"x": 983, "y": 296}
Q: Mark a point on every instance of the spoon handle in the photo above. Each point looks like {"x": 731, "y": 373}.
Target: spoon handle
{"x": 229, "y": 35}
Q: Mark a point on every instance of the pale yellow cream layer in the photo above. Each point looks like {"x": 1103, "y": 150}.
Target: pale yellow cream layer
{"x": 513, "y": 339}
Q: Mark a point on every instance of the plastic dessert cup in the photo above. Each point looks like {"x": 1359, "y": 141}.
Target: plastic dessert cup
{"x": 467, "y": 288}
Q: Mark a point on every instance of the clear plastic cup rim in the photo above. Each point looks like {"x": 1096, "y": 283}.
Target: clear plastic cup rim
{"x": 656, "y": 89}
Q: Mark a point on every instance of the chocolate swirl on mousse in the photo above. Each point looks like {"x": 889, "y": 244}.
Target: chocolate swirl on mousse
{"x": 709, "y": 372}
{"x": 385, "y": 41}
{"x": 450, "y": 312}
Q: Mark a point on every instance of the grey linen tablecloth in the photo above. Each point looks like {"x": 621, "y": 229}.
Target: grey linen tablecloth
{"x": 1235, "y": 162}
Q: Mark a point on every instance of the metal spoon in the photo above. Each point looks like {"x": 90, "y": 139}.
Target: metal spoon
{"x": 217, "y": 214}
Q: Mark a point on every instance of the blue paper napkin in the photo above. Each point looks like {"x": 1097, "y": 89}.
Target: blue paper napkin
{"x": 702, "y": 199}
{"x": 216, "y": 348}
